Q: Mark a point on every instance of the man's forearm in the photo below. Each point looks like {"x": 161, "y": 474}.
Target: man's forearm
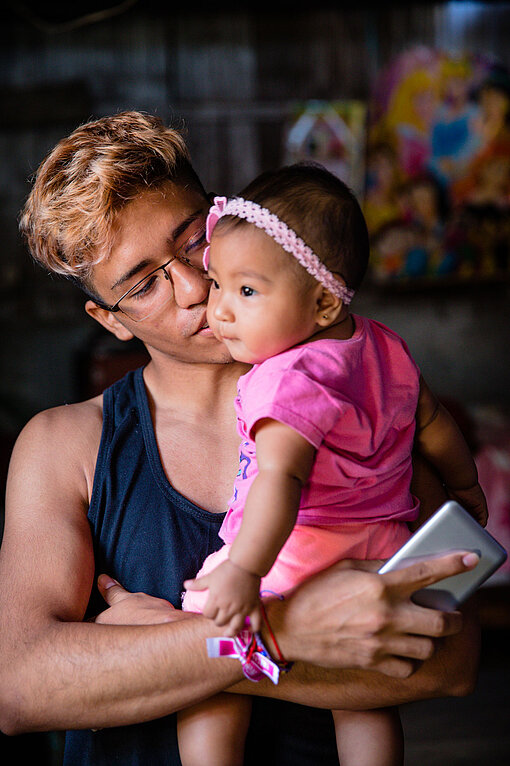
{"x": 82, "y": 675}
{"x": 56, "y": 674}
{"x": 451, "y": 671}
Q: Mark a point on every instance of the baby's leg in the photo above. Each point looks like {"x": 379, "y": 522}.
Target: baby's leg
{"x": 369, "y": 738}
{"x": 213, "y": 733}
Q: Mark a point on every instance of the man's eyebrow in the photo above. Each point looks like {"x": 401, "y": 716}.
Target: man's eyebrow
{"x": 132, "y": 272}
{"x": 174, "y": 236}
{"x": 183, "y": 225}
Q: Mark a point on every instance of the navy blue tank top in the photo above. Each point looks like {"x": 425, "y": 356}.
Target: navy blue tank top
{"x": 151, "y": 538}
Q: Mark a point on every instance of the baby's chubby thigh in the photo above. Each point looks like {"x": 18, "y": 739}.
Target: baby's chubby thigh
{"x": 195, "y": 600}
{"x": 310, "y": 549}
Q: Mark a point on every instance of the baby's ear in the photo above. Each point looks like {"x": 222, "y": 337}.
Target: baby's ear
{"x": 329, "y": 307}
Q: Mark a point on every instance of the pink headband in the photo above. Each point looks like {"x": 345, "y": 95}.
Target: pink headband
{"x": 281, "y": 233}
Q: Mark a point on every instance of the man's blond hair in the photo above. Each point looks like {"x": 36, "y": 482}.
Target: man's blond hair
{"x": 88, "y": 178}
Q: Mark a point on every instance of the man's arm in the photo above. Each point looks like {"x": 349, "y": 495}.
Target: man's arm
{"x": 58, "y": 672}
{"x": 355, "y": 623}
{"x": 449, "y": 665}
{"x": 55, "y": 671}
{"x": 449, "y": 672}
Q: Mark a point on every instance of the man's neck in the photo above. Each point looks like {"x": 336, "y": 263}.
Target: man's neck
{"x": 192, "y": 408}
{"x": 192, "y": 389}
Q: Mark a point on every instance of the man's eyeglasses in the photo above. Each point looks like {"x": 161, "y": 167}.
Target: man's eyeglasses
{"x": 156, "y": 289}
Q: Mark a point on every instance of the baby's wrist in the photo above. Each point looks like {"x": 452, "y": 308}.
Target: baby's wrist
{"x": 239, "y": 564}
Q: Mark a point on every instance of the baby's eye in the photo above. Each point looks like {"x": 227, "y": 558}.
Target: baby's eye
{"x": 247, "y": 292}
{"x": 215, "y": 285}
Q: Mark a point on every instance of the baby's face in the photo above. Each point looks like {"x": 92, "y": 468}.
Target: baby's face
{"x": 258, "y": 305}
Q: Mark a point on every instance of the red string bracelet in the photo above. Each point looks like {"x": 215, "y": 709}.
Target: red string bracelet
{"x": 251, "y": 649}
{"x": 282, "y": 663}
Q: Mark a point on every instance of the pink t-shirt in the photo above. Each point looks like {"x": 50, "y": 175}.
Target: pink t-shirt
{"x": 355, "y": 401}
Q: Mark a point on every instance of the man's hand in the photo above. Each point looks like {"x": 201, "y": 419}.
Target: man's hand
{"x": 350, "y": 618}
{"x": 125, "y": 608}
{"x": 233, "y": 596}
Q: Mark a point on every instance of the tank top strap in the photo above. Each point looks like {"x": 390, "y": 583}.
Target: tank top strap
{"x": 145, "y": 533}
{"x": 119, "y": 405}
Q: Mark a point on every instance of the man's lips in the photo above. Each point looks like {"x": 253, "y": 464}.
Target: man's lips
{"x": 204, "y": 328}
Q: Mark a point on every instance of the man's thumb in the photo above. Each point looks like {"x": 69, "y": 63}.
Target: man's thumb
{"x": 110, "y": 589}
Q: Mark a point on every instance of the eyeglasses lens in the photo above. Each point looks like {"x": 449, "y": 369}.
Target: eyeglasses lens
{"x": 150, "y": 296}
{"x": 156, "y": 290}
{"x": 192, "y": 250}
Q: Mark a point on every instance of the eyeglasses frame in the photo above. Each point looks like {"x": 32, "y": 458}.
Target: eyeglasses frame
{"x": 163, "y": 267}
{"x": 116, "y": 307}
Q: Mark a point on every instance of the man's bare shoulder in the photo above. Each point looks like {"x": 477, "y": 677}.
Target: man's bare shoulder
{"x": 82, "y": 421}
{"x": 64, "y": 438}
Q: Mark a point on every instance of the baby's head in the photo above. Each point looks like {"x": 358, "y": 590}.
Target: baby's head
{"x": 285, "y": 259}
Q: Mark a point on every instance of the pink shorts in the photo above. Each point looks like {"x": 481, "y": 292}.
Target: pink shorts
{"x": 309, "y": 549}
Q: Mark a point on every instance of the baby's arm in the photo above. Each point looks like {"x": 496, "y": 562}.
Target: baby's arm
{"x": 285, "y": 460}
{"x": 440, "y": 440}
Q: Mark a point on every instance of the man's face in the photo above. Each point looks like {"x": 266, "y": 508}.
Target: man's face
{"x": 149, "y": 231}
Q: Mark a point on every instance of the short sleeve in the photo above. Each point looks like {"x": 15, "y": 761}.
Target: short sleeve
{"x": 291, "y": 396}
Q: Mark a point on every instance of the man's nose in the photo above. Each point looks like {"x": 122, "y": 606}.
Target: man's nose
{"x": 190, "y": 285}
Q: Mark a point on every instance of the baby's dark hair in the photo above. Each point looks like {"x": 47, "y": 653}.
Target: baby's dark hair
{"x": 321, "y": 209}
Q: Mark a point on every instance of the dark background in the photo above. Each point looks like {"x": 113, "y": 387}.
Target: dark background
{"x": 230, "y": 75}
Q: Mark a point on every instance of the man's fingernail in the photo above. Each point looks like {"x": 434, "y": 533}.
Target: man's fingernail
{"x": 108, "y": 582}
{"x": 470, "y": 559}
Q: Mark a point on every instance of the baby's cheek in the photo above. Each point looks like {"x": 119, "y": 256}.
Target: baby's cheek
{"x": 210, "y": 310}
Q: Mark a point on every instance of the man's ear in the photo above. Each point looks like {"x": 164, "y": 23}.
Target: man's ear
{"x": 329, "y": 308}
{"x": 108, "y": 320}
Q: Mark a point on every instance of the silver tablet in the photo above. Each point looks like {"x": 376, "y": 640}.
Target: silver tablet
{"x": 450, "y": 529}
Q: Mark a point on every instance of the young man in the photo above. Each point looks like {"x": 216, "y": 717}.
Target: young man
{"x": 134, "y": 482}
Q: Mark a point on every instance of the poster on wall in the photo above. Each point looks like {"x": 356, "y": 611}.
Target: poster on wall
{"x": 332, "y": 133}
{"x": 437, "y": 197}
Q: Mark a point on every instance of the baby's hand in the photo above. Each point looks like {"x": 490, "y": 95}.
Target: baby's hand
{"x": 233, "y": 596}
{"x": 473, "y": 500}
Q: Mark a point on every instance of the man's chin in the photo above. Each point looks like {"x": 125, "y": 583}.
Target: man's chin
{"x": 227, "y": 358}
{"x": 221, "y": 355}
